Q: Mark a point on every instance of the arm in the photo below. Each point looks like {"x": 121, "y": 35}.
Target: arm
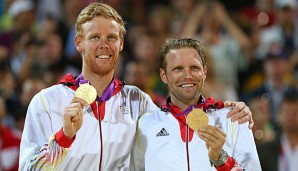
{"x": 194, "y": 20}
{"x": 41, "y": 146}
{"x": 242, "y": 146}
{"x": 137, "y": 155}
{"x": 137, "y": 160}
{"x": 231, "y": 26}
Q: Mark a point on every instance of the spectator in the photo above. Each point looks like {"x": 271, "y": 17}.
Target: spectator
{"x": 284, "y": 32}
{"x": 225, "y": 41}
{"x": 9, "y": 144}
{"x": 263, "y": 129}
{"x": 276, "y": 70}
{"x": 281, "y": 154}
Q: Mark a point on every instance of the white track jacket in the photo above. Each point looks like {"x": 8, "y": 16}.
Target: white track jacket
{"x": 107, "y": 143}
{"x": 159, "y": 145}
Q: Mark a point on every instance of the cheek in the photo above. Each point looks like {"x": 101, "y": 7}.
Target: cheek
{"x": 201, "y": 75}
{"x": 174, "y": 78}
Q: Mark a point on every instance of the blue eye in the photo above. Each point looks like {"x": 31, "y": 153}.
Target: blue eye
{"x": 95, "y": 37}
{"x": 178, "y": 69}
{"x": 112, "y": 37}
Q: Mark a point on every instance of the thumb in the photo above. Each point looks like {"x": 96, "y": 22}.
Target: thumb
{"x": 79, "y": 100}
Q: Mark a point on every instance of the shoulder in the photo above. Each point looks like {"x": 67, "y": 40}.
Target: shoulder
{"x": 157, "y": 114}
{"x": 56, "y": 90}
{"x": 134, "y": 92}
{"x": 220, "y": 117}
{"x": 219, "y": 112}
{"x": 132, "y": 89}
{"x": 53, "y": 94}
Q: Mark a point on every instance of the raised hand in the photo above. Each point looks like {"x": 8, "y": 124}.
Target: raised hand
{"x": 73, "y": 117}
{"x": 214, "y": 139}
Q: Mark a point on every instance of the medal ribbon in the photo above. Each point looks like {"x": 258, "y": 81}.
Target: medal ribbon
{"x": 174, "y": 110}
{"x": 107, "y": 94}
{"x": 201, "y": 103}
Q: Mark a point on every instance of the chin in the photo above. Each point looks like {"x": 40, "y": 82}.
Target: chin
{"x": 103, "y": 72}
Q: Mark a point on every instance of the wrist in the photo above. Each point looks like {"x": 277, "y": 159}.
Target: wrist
{"x": 66, "y": 134}
{"x": 223, "y": 158}
{"x": 62, "y": 140}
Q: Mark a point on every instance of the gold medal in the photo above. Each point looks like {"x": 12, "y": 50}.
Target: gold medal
{"x": 86, "y": 92}
{"x": 196, "y": 119}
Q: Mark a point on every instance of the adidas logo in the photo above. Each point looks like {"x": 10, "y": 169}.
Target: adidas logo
{"x": 162, "y": 132}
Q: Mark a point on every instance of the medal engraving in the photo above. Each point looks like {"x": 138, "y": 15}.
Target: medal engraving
{"x": 86, "y": 92}
{"x": 196, "y": 119}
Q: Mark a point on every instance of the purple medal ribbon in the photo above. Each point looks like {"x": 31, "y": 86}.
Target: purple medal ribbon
{"x": 189, "y": 108}
{"x": 107, "y": 94}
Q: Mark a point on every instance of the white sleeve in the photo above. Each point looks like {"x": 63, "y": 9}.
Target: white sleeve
{"x": 137, "y": 155}
{"x": 243, "y": 148}
{"x": 39, "y": 149}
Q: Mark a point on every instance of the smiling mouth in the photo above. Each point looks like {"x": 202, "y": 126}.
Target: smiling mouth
{"x": 187, "y": 85}
{"x": 103, "y": 56}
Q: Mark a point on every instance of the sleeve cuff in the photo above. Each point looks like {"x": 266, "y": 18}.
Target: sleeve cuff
{"x": 227, "y": 166}
{"x": 62, "y": 140}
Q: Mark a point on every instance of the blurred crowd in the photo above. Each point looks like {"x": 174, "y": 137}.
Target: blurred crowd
{"x": 252, "y": 52}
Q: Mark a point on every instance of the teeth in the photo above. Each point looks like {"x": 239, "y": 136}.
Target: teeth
{"x": 187, "y": 85}
{"x": 103, "y": 56}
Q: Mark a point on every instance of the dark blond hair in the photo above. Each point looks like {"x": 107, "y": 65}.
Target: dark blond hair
{"x": 177, "y": 44}
{"x": 97, "y": 9}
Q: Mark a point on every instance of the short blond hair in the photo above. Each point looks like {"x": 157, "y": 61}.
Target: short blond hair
{"x": 97, "y": 9}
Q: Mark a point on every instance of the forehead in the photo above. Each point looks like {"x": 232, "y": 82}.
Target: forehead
{"x": 102, "y": 25}
{"x": 183, "y": 56}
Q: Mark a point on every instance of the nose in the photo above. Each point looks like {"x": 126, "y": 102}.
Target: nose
{"x": 187, "y": 73}
{"x": 103, "y": 44}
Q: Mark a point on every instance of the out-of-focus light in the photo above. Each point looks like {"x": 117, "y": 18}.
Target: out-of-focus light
{"x": 263, "y": 18}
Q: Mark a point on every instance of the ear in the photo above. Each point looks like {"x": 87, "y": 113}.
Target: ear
{"x": 78, "y": 43}
{"x": 163, "y": 76}
{"x": 121, "y": 44}
{"x": 205, "y": 73}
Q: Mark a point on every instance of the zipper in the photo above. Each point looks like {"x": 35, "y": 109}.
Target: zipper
{"x": 187, "y": 152}
{"x": 100, "y": 133}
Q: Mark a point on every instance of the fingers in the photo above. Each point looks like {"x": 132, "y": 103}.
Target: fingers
{"x": 237, "y": 106}
{"x": 243, "y": 116}
{"x": 79, "y": 100}
{"x": 251, "y": 122}
{"x": 214, "y": 139}
{"x": 240, "y": 113}
{"x": 229, "y": 103}
{"x": 213, "y": 136}
{"x": 73, "y": 112}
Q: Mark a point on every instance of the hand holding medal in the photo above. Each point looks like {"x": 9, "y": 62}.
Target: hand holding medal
{"x": 73, "y": 113}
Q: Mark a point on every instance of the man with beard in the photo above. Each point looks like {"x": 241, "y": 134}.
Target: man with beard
{"x": 180, "y": 135}
{"x": 66, "y": 132}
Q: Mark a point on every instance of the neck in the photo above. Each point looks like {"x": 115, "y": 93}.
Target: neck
{"x": 183, "y": 104}
{"x": 100, "y": 83}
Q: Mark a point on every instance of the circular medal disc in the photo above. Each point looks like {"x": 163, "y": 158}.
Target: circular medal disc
{"x": 196, "y": 119}
{"x": 86, "y": 92}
